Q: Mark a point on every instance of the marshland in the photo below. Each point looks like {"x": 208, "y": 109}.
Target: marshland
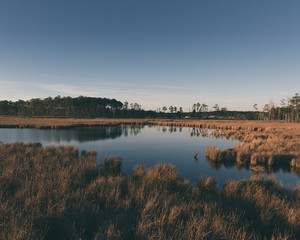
{"x": 152, "y": 144}
{"x": 149, "y": 120}
{"x": 54, "y": 191}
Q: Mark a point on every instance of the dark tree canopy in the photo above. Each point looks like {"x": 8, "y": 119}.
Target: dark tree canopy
{"x": 84, "y": 107}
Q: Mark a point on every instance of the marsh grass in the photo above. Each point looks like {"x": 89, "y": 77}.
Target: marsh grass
{"x": 266, "y": 204}
{"x": 57, "y": 193}
{"x": 275, "y": 148}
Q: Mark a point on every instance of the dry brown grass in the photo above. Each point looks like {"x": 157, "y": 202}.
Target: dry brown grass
{"x": 264, "y": 202}
{"x": 266, "y": 148}
{"x": 272, "y": 144}
{"x": 216, "y": 154}
{"x": 56, "y": 123}
{"x": 235, "y": 125}
{"x": 53, "y": 193}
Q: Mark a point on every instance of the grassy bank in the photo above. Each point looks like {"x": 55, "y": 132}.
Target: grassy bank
{"x": 265, "y": 147}
{"x": 235, "y": 125}
{"x": 53, "y": 193}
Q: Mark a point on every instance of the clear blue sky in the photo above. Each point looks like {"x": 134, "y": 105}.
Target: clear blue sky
{"x": 154, "y": 52}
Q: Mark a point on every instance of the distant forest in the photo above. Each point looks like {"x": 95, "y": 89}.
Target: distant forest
{"x": 79, "y": 107}
{"x": 91, "y": 107}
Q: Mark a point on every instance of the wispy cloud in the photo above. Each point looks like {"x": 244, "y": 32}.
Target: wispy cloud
{"x": 116, "y": 84}
{"x": 9, "y": 84}
{"x": 65, "y": 89}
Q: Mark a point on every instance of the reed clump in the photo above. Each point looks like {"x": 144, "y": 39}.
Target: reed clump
{"x": 295, "y": 162}
{"x": 266, "y": 203}
{"x": 111, "y": 166}
{"x": 57, "y": 193}
{"x": 216, "y": 154}
{"x": 266, "y": 147}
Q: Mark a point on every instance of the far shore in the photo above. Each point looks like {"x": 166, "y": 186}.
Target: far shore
{"x": 57, "y": 123}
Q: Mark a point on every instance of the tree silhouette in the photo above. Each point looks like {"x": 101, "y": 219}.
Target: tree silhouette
{"x": 216, "y": 107}
{"x": 194, "y": 106}
{"x": 198, "y": 105}
{"x": 204, "y": 107}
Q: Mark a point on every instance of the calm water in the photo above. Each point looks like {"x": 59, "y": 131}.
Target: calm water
{"x": 147, "y": 146}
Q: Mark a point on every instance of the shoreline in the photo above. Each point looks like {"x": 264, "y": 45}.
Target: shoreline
{"x": 60, "y": 123}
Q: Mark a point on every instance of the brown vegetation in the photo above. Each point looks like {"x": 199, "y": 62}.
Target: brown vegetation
{"x": 270, "y": 146}
{"x": 53, "y": 193}
{"x": 236, "y": 125}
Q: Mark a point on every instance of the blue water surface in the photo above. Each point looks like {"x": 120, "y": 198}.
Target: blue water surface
{"x": 147, "y": 146}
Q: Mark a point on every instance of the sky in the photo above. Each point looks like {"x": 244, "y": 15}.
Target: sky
{"x": 153, "y": 52}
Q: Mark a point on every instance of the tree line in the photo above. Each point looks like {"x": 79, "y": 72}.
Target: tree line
{"x": 91, "y": 107}
{"x": 79, "y": 107}
{"x": 288, "y": 110}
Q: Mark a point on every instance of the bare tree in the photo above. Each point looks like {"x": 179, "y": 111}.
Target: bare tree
{"x": 266, "y": 108}
{"x": 194, "y": 106}
{"x": 256, "y": 108}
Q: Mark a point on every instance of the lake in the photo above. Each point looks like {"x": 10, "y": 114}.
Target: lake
{"x": 147, "y": 146}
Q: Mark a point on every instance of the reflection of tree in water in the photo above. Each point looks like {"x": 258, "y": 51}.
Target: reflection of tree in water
{"x": 87, "y": 134}
{"x": 135, "y": 130}
{"x": 216, "y": 165}
{"x": 194, "y": 131}
{"x": 296, "y": 171}
{"x": 99, "y": 133}
{"x": 258, "y": 169}
{"x": 170, "y": 129}
{"x": 199, "y": 132}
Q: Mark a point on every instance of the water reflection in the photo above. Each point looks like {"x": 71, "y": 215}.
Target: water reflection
{"x": 86, "y": 134}
{"x": 149, "y": 145}
{"x": 92, "y": 134}
{"x": 80, "y": 135}
{"x": 83, "y": 135}
{"x": 228, "y": 164}
{"x": 255, "y": 170}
